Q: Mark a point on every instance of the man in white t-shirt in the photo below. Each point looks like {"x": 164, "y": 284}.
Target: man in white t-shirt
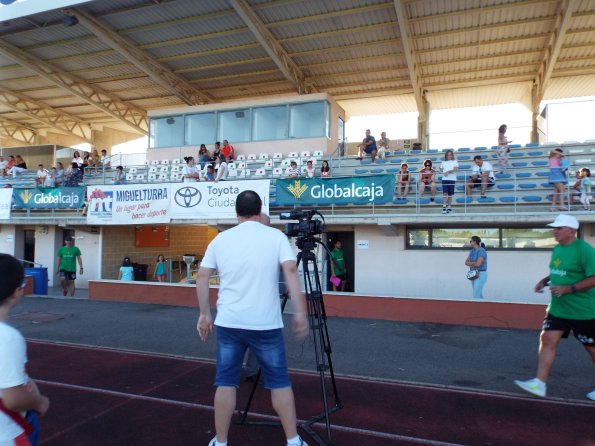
{"x": 482, "y": 175}
{"x": 18, "y": 392}
{"x": 247, "y": 258}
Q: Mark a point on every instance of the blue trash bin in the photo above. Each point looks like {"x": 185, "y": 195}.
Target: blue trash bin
{"x": 40, "y": 280}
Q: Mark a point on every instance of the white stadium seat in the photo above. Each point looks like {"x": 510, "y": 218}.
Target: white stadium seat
{"x": 293, "y": 155}
{"x": 152, "y": 169}
{"x": 318, "y": 154}
{"x": 175, "y": 161}
{"x": 132, "y": 170}
{"x": 129, "y": 177}
{"x": 165, "y": 162}
{"x": 260, "y": 172}
{"x": 268, "y": 164}
{"x": 151, "y": 177}
{"x": 277, "y": 156}
{"x": 140, "y": 177}
{"x": 241, "y": 157}
{"x": 263, "y": 156}
{"x": 252, "y": 157}
{"x": 277, "y": 172}
{"x": 175, "y": 176}
{"x": 305, "y": 154}
{"x": 155, "y": 162}
{"x": 163, "y": 177}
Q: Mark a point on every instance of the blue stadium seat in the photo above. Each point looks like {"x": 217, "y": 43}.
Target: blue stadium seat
{"x": 361, "y": 171}
{"x": 527, "y": 185}
{"x": 481, "y": 148}
{"x": 464, "y": 158}
{"x": 508, "y": 199}
{"x": 486, "y": 200}
{"x": 462, "y": 177}
{"x": 520, "y": 164}
{"x": 392, "y": 170}
{"x": 439, "y": 187}
{"x": 422, "y": 200}
{"x": 505, "y": 186}
{"x": 376, "y": 170}
{"x": 516, "y": 154}
{"x": 493, "y": 156}
{"x": 514, "y": 146}
{"x": 400, "y": 201}
{"x": 438, "y": 200}
{"x": 380, "y": 161}
{"x": 532, "y": 144}
{"x": 413, "y": 160}
{"x": 460, "y": 187}
{"x": 433, "y": 151}
{"x": 546, "y": 185}
{"x": 523, "y": 174}
{"x": 413, "y": 169}
{"x": 542, "y": 174}
{"x": 501, "y": 176}
{"x": 539, "y": 163}
{"x": 447, "y": 149}
{"x": 465, "y": 167}
{"x": 396, "y": 161}
{"x": 433, "y": 158}
{"x": 494, "y": 147}
{"x": 464, "y": 149}
{"x": 399, "y": 152}
{"x": 366, "y": 161}
{"x": 462, "y": 200}
{"x": 531, "y": 198}
{"x": 536, "y": 153}
{"x": 415, "y": 152}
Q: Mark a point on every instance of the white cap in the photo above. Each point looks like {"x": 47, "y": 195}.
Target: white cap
{"x": 564, "y": 220}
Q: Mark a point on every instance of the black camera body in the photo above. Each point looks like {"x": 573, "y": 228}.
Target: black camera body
{"x": 305, "y": 227}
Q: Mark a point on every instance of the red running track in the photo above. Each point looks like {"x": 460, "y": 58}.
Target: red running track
{"x": 109, "y": 397}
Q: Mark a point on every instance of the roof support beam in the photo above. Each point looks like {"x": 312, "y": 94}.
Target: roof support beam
{"x": 43, "y": 113}
{"x": 274, "y": 49}
{"x": 157, "y": 71}
{"x": 18, "y": 131}
{"x": 123, "y": 111}
{"x": 411, "y": 57}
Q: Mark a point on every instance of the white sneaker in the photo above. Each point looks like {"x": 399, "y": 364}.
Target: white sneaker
{"x": 533, "y": 386}
{"x": 302, "y": 442}
{"x": 213, "y": 441}
{"x": 591, "y": 395}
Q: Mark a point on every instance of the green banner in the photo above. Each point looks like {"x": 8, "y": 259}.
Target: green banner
{"x": 49, "y": 198}
{"x": 378, "y": 189}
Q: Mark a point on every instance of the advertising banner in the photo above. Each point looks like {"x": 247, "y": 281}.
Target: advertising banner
{"x": 50, "y": 198}
{"x": 138, "y": 204}
{"x": 377, "y": 189}
{"x": 5, "y": 203}
{"x": 213, "y": 200}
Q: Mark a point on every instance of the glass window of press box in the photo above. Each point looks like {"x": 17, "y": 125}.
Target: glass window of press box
{"x": 266, "y": 123}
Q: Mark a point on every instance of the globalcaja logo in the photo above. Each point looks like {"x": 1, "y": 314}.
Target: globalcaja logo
{"x": 297, "y": 189}
{"x": 187, "y": 197}
{"x": 100, "y": 203}
{"x": 26, "y": 196}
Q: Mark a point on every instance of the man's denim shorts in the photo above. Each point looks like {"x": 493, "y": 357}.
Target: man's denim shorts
{"x": 267, "y": 345}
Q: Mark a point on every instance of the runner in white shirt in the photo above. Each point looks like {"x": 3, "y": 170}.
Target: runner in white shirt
{"x": 482, "y": 174}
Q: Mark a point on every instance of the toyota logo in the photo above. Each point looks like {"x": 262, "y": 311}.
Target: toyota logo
{"x": 187, "y": 197}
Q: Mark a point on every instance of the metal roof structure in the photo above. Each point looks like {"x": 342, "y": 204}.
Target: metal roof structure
{"x": 112, "y": 60}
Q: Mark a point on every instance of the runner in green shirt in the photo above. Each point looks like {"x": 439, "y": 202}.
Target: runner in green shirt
{"x": 572, "y": 308}
{"x": 66, "y": 259}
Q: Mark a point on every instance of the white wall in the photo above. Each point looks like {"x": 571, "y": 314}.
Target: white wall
{"x": 7, "y": 239}
{"x": 89, "y": 244}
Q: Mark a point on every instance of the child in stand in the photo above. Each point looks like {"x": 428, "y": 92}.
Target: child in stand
{"x": 160, "y": 268}
{"x": 310, "y": 173}
{"x": 585, "y": 188}
{"x": 126, "y": 271}
{"x": 21, "y": 400}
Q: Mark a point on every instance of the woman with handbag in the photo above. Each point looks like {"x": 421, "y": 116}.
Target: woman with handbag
{"x": 477, "y": 261}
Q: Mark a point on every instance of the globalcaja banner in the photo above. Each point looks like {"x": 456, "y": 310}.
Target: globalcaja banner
{"x": 49, "y": 198}
{"x": 213, "y": 200}
{"x": 377, "y": 189}
{"x": 5, "y": 203}
{"x": 128, "y": 204}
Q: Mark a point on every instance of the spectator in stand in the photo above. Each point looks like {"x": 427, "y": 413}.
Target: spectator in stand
{"x": 482, "y": 175}
{"x": 228, "y": 150}
{"x": 382, "y": 145}
{"x": 325, "y": 170}
{"x": 190, "y": 172}
{"x": 87, "y": 160}
{"x": 557, "y": 178}
{"x": 223, "y": 170}
{"x": 203, "y": 156}
{"x": 576, "y": 189}
{"x": 126, "y": 271}
{"x": 448, "y": 168}
{"x": 368, "y": 146}
{"x": 9, "y": 165}
{"x": 3, "y": 164}
{"x": 50, "y": 179}
{"x": 294, "y": 171}
{"x": 427, "y": 179}
{"x": 216, "y": 152}
{"x": 95, "y": 159}
{"x": 586, "y": 188}
{"x": 120, "y": 177}
{"x": 417, "y": 146}
{"x": 73, "y": 176}
{"x": 58, "y": 175}
{"x": 76, "y": 158}
{"x": 105, "y": 160}
{"x": 210, "y": 176}
{"x": 503, "y": 149}
{"x": 41, "y": 176}
{"x": 310, "y": 172}
{"x": 403, "y": 181}
{"x": 19, "y": 166}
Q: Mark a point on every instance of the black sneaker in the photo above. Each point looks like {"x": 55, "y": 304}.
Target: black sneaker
{"x": 444, "y": 210}
{"x": 449, "y": 211}
{"x": 432, "y": 199}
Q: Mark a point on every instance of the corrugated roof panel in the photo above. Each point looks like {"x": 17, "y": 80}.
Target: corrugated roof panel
{"x": 211, "y": 43}
{"x": 402, "y": 103}
{"x": 559, "y": 87}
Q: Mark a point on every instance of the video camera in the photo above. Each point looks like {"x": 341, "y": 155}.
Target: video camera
{"x": 306, "y": 226}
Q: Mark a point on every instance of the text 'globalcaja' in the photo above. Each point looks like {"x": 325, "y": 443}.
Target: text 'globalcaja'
{"x": 142, "y": 194}
{"x": 371, "y": 191}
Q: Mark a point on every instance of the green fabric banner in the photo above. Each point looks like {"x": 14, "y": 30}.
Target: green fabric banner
{"x": 49, "y": 198}
{"x": 377, "y": 189}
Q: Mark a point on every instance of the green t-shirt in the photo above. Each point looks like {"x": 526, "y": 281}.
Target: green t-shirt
{"x": 571, "y": 264}
{"x": 68, "y": 257}
{"x": 339, "y": 263}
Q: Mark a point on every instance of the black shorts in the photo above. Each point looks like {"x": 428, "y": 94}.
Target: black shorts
{"x": 583, "y": 330}
{"x": 448, "y": 187}
{"x": 477, "y": 182}
{"x": 67, "y": 275}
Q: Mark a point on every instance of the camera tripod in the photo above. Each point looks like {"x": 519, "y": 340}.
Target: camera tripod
{"x": 322, "y": 345}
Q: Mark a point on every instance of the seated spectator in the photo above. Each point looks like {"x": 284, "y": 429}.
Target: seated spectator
{"x": 368, "y": 146}
{"x": 50, "y": 179}
{"x": 41, "y": 175}
{"x": 404, "y": 181}
{"x": 382, "y": 145}
{"x": 210, "y": 176}
{"x": 325, "y": 170}
{"x": 216, "y": 152}
{"x": 203, "y": 156}
{"x": 416, "y": 146}
{"x": 427, "y": 179}
{"x": 190, "y": 172}
{"x": 105, "y": 160}
{"x": 76, "y": 158}
{"x": 9, "y": 163}
{"x": 3, "y": 164}
{"x": 74, "y": 176}
{"x": 294, "y": 171}
{"x": 310, "y": 173}
{"x": 120, "y": 177}
{"x": 58, "y": 174}
{"x": 87, "y": 160}
{"x": 482, "y": 175}
{"x": 95, "y": 159}
{"x": 222, "y": 169}
{"x": 228, "y": 150}
{"x": 19, "y": 166}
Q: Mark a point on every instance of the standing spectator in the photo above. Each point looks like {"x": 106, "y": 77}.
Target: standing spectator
{"x": 403, "y": 181}
{"x": 293, "y": 171}
{"x": 120, "y": 177}
{"x": 216, "y": 152}
{"x": 19, "y": 166}
{"x": 482, "y": 175}
{"x": 76, "y": 158}
{"x": 58, "y": 175}
{"x": 41, "y": 175}
{"x": 126, "y": 271}
{"x": 338, "y": 268}
{"x": 249, "y": 313}
{"x": 160, "y": 269}
{"x": 203, "y": 156}
{"x": 310, "y": 172}
{"x": 427, "y": 179}
{"x": 477, "y": 260}
{"x": 368, "y": 146}
{"x": 325, "y": 170}
{"x": 503, "y": 150}
{"x": 557, "y": 178}
{"x": 87, "y": 160}
{"x": 105, "y": 160}
{"x": 73, "y": 177}
{"x": 3, "y": 164}
{"x": 223, "y": 170}
{"x": 19, "y": 393}
{"x": 382, "y": 145}
{"x": 448, "y": 167}
{"x": 228, "y": 150}
{"x": 190, "y": 172}
{"x": 66, "y": 259}
{"x": 210, "y": 175}
{"x": 585, "y": 188}
{"x": 572, "y": 308}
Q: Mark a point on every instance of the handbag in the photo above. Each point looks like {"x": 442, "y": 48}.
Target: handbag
{"x": 473, "y": 274}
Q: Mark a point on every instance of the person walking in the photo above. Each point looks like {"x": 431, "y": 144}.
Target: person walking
{"x": 126, "y": 271}
{"x": 249, "y": 313}
{"x": 572, "y": 307}
{"x": 477, "y": 260}
{"x": 18, "y": 393}
{"x": 338, "y": 269}
{"x": 160, "y": 269}
{"x": 66, "y": 264}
